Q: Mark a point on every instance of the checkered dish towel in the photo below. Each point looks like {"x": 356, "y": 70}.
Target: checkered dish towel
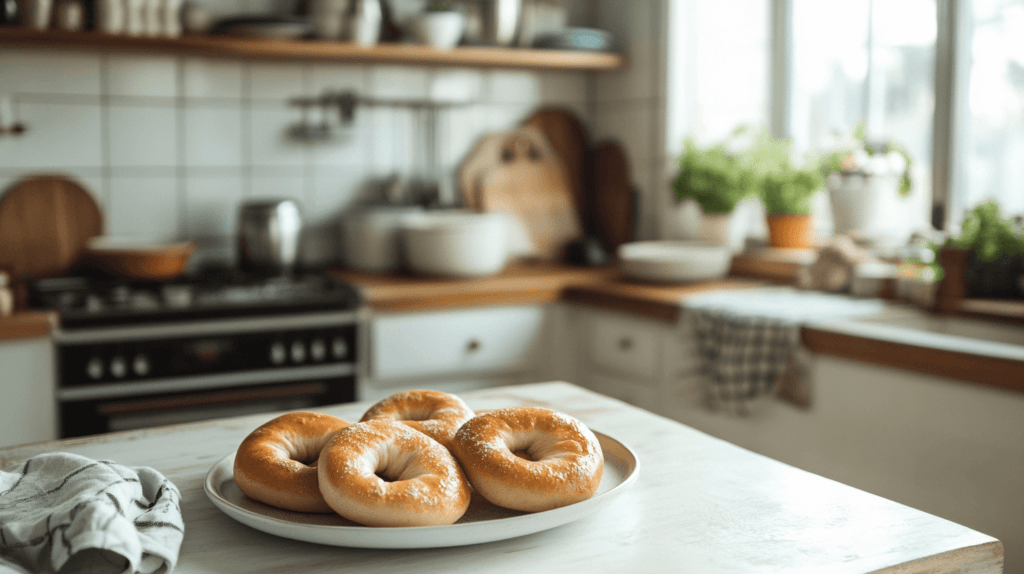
{"x": 746, "y": 338}
{"x": 93, "y": 516}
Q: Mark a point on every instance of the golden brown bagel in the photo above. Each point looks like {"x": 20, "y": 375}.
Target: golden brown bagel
{"x": 529, "y": 459}
{"x": 272, "y": 463}
{"x": 433, "y": 413}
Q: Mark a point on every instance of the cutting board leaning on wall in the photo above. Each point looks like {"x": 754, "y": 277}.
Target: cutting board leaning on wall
{"x": 518, "y": 174}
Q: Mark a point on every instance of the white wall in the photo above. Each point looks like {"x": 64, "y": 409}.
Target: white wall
{"x": 946, "y": 447}
{"x": 170, "y": 145}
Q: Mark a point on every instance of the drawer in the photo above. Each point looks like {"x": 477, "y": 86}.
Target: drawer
{"x": 492, "y": 340}
{"x": 624, "y": 345}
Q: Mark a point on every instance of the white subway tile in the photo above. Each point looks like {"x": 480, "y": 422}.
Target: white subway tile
{"x": 143, "y": 136}
{"x": 381, "y": 140}
{"x": 213, "y": 135}
{"x": 278, "y": 81}
{"x": 563, "y": 88}
{"x": 211, "y": 206}
{"x": 270, "y": 136}
{"x": 398, "y": 83}
{"x": 335, "y": 189}
{"x": 514, "y": 86}
{"x": 349, "y": 144}
{"x": 137, "y": 75}
{"x": 503, "y": 117}
{"x": 59, "y": 136}
{"x": 460, "y": 128}
{"x": 456, "y": 85}
{"x": 205, "y": 78}
{"x": 143, "y": 207}
{"x": 29, "y": 72}
{"x": 338, "y": 78}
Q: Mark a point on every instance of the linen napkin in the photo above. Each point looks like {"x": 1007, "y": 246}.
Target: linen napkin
{"x": 746, "y": 339}
{"x": 62, "y": 510}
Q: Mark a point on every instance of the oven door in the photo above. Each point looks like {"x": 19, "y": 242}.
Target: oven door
{"x": 93, "y": 416}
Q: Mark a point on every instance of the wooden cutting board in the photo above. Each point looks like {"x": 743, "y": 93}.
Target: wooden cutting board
{"x": 571, "y": 142}
{"x": 529, "y": 186}
{"x": 45, "y": 223}
{"x": 615, "y": 199}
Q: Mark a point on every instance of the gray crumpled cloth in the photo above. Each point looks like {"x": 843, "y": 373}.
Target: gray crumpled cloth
{"x": 63, "y": 512}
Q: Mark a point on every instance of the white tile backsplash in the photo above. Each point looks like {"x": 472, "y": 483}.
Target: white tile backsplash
{"x": 171, "y": 145}
{"x": 37, "y": 72}
{"x": 202, "y": 78}
{"x": 142, "y": 136}
{"x": 143, "y": 207}
{"x": 213, "y": 135}
{"x": 135, "y": 75}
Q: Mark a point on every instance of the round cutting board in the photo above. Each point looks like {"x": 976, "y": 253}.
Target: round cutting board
{"x": 45, "y": 223}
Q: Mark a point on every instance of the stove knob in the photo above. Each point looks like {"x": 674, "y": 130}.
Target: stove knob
{"x": 278, "y": 354}
{"x": 94, "y": 368}
{"x": 140, "y": 365}
{"x": 298, "y": 352}
{"x": 118, "y": 367}
{"x": 318, "y": 350}
{"x": 339, "y": 348}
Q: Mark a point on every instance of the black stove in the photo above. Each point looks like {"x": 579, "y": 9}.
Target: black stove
{"x": 97, "y": 301}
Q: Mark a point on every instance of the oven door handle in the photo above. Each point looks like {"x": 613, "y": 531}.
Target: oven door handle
{"x": 208, "y": 399}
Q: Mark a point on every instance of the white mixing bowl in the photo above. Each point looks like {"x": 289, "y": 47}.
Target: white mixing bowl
{"x": 674, "y": 261}
{"x": 456, "y": 244}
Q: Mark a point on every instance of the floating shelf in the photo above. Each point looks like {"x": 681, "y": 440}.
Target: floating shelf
{"x": 317, "y": 50}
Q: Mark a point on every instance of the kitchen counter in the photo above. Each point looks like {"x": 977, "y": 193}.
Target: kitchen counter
{"x": 27, "y": 325}
{"x": 700, "y": 505}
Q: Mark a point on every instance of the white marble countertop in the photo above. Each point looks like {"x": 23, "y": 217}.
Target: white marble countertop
{"x": 700, "y": 505}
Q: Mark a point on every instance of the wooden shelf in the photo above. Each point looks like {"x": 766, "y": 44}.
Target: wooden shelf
{"x": 316, "y": 50}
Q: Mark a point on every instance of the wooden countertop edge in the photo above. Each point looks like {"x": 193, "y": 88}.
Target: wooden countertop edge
{"x": 978, "y": 369}
{"x": 27, "y": 325}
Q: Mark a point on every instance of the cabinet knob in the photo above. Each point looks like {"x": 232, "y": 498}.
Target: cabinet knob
{"x": 625, "y": 343}
{"x": 473, "y": 346}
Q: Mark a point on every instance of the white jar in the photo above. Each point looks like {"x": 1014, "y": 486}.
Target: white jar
{"x": 111, "y": 16}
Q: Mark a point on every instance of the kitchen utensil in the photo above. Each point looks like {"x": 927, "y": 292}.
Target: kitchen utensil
{"x": 45, "y": 222}
{"x": 529, "y": 186}
{"x": 571, "y": 143}
{"x": 483, "y": 522}
{"x": 269, "y": 232}
{"x": 673, "y": 261}
{"x": 484, "y": 157}
{"x": 494, "y": 22}
{"x": 134, "y": 259}
{"x": 36, "y": 13}
{"x": 460, "y": 244}
{"x": 371, "y": 237}
{"x": 615, "y": 200}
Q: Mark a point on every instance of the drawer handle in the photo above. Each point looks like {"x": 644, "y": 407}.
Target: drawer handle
{"x": 473, "y": 346}
{"x": 625, "y": 343}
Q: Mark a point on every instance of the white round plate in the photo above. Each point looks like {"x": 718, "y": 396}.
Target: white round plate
{"x": 483, "y": 522}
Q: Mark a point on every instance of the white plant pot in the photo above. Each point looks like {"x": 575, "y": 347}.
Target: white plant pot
{"x": 441, "y": 30}
{"x": 859, "y": 203}
{"x": 721, "y": 229}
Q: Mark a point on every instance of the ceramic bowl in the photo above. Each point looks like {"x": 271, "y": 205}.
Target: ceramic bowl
{"x": 674, "y": 261}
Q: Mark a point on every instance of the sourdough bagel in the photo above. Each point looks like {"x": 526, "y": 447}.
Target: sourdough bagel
{"x": 434, "y": 413}
{"x": 529, "y": 459}
{"x": 272, "y": 464}
{"x": 383, "y": 473}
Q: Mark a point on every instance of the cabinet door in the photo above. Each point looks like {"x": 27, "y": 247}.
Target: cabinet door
{"x": 492, "y": 340}
{"x": 624, "y": 345}
{"x": 28, "y": 409}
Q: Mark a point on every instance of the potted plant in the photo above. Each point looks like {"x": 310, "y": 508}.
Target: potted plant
{"x": 988, "y": 257}
{"x": 440, "y": 26}
{"x": 786, "y": 192}
{"x": 860, "y": 175}
{"x": 717, "y": 177}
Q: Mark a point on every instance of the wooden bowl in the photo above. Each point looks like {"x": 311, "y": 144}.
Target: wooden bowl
{"x": 132, "y": 259}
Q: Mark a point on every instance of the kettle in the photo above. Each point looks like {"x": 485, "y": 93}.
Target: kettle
{"x": 269, "y": 232}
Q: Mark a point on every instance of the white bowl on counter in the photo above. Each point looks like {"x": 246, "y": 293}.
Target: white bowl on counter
{"x": 674, "y": 261}
{"x": 456, "y": 244}
{"x": 371, "y": 237}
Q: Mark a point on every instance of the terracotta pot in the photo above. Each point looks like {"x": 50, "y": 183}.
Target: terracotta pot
{"x": 791, "y": 230}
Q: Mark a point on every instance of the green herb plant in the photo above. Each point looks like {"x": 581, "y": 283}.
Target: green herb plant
{"x": 988, "y": 234}
{"x": 784, "y": 188}
{"x": 871, "y": 158}
{"x": 717, "y": 177}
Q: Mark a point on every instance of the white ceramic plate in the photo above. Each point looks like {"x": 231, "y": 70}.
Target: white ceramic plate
{"x": 483, "y": 522}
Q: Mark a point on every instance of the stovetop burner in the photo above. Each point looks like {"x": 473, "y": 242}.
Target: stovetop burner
{"x": 88, "y": 301}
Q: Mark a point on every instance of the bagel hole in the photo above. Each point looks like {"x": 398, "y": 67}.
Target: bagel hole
{"x": 417, "y": 415}
{"x": 525, "y": 455}
{"x": 384, "y": 477}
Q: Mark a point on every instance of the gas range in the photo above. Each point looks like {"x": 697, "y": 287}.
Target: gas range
{"x": 135, "y": 354}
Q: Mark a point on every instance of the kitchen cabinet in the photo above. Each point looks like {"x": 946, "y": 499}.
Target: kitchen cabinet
{"x": 304, "y": 50}
{"x": 457, "y": 350}
{"x": 28, "y": 411}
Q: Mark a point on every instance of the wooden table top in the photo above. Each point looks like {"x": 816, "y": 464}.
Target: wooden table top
{"x": 699, "y": 505}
